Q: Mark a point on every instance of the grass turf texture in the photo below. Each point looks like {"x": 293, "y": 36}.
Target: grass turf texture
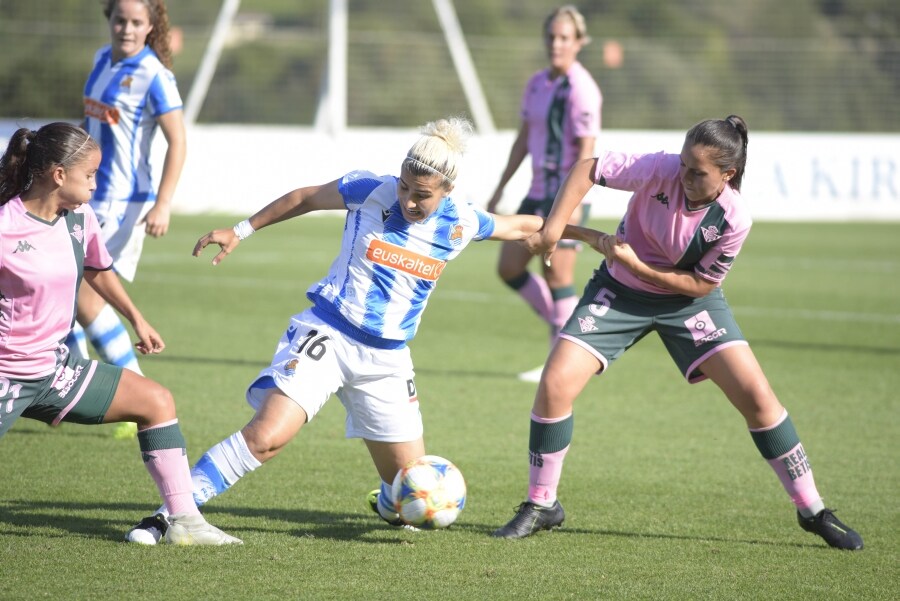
{"x": 665, "y": 494}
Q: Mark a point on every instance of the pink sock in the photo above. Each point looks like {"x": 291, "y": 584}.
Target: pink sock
{"x": 562, "y": 311}
{"x": 537, "y": 294}
{"x": 797, "y": 478}
{"x": 170, "y": 470}
{"x": 545, "y": 470}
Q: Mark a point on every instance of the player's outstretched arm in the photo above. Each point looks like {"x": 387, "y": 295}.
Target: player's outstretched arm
{"x": 293, "y": 204}
{"x": 514, "y": 228}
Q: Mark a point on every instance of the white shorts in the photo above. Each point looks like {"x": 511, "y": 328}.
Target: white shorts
{"x": 123, "y": 232}
{"x": 313, "y": 361}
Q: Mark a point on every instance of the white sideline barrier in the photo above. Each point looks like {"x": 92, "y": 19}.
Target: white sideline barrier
{"x": 237, "y": 169}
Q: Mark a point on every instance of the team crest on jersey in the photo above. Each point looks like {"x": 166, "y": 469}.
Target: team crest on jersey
{"x": 456, "y": 235}
{"x": 711, "y": 233}
{"x": 587, "y": 324}
{"x": 290, "y": 368}
{"x": 77, "y": 233}
{"x": 126, "y": 83}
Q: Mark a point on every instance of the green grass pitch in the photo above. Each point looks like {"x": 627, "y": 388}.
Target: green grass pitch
{"x": 665, "y": 493}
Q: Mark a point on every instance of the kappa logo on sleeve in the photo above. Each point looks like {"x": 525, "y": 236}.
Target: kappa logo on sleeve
{"x": 405, "y": 260}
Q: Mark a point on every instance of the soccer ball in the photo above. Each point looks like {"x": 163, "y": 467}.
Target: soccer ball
{"x": 429, "y": 492}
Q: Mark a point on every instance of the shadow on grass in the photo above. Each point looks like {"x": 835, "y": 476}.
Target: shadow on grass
{"x": 22, "y": 517}
{"x": 19, "y": 517}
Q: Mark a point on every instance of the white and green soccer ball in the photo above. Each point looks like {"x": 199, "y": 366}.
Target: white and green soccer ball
{"x": 429, "y": 493}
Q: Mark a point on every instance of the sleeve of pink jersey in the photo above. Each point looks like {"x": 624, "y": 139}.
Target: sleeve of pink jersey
{"x": 629, "y": 172}
{"x": 584, "y": 108}
{"x": 717, "y": 261}
{"x": 95, "y": 254}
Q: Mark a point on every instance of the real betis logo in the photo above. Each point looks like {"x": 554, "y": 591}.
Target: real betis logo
{"x": 711, "y": 233}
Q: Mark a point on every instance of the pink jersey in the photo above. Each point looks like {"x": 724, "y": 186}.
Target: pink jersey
{"x": 41, "y": 265}
{"x": 661, "y": 228}
{"x": 558, "y": 112}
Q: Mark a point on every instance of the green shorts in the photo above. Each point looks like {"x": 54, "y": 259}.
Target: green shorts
{"x": 610, "y": 318}
{"x": 80, "y": 392}
{"x": 541, "y": 208}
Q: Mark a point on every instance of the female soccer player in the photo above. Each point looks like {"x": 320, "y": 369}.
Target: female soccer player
{"x": 560, "y": 122}
{"x": 399, "y": 234}
{"x": 49, "y": 240}
{"x": 129, "y": 94}
{"x": 683, "y": 228}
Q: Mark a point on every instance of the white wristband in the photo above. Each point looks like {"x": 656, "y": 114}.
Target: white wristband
{"x": 243, "y": 229}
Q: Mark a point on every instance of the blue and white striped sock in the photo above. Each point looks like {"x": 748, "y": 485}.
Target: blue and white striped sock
{"x": 112, "y": 341}
{"x": 77, "y": 342}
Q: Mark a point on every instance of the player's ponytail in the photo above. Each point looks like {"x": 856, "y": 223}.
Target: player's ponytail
{"x": 32, "y": 154}
{"x": 439, "y": 149}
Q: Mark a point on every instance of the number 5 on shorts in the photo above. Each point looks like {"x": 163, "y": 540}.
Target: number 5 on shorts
{"x": 602, "y": 302}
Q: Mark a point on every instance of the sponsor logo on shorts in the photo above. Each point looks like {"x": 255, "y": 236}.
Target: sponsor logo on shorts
{"x": 411, "y": 390}
{"x": 587, "y": 324}
{"x": 703, "y": 329}
{"x": 103, "y": 112}
{"x": 65, "y": 379}
{"x": 405, "y": 260}
{"x": 711, "y": 233}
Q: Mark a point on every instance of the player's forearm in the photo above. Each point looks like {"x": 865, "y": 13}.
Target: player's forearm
{"x": 676, "y": 280}
{"x": 577, "y": 184}
{"x": 109, "y": 287}
{"x": 582, "y": 234}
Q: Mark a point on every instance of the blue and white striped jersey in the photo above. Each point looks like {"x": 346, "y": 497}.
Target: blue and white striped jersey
{"x": 121, "y": 103}
{"x": 378, "y": 285}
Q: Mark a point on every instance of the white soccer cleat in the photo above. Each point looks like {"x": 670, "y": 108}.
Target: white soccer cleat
{"x": 149, "y": 530}
{"x": 187, "y": 529}
{"x": 532, "y": 375}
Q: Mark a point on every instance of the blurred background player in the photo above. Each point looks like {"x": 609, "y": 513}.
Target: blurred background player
{"x": 129, "y": 94}
{"x": 684, "y": 226}
{"x": 560, "y": 123}
{"x": 400, "y": 233}
{"x": 49, "y": 240}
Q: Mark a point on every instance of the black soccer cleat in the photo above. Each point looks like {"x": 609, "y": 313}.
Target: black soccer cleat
{"x": 836, "y": 533}
{"x": 531, "y": 518}
{"x": 149, "y": 531}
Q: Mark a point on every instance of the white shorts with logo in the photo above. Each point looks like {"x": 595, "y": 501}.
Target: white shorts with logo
{"x": 313, "y": 361}
{"x": 123, "y": 232}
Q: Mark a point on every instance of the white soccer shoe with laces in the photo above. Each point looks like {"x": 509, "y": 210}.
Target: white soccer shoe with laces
{"x": 187, "y": 529}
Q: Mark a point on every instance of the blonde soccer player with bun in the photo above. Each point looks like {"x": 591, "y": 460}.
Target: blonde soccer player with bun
{"x": 400, "y": 232}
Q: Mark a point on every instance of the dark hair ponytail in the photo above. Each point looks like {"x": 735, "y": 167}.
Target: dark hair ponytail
{"x": 728, "y": 140}
{"x": 32, "y": 154}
